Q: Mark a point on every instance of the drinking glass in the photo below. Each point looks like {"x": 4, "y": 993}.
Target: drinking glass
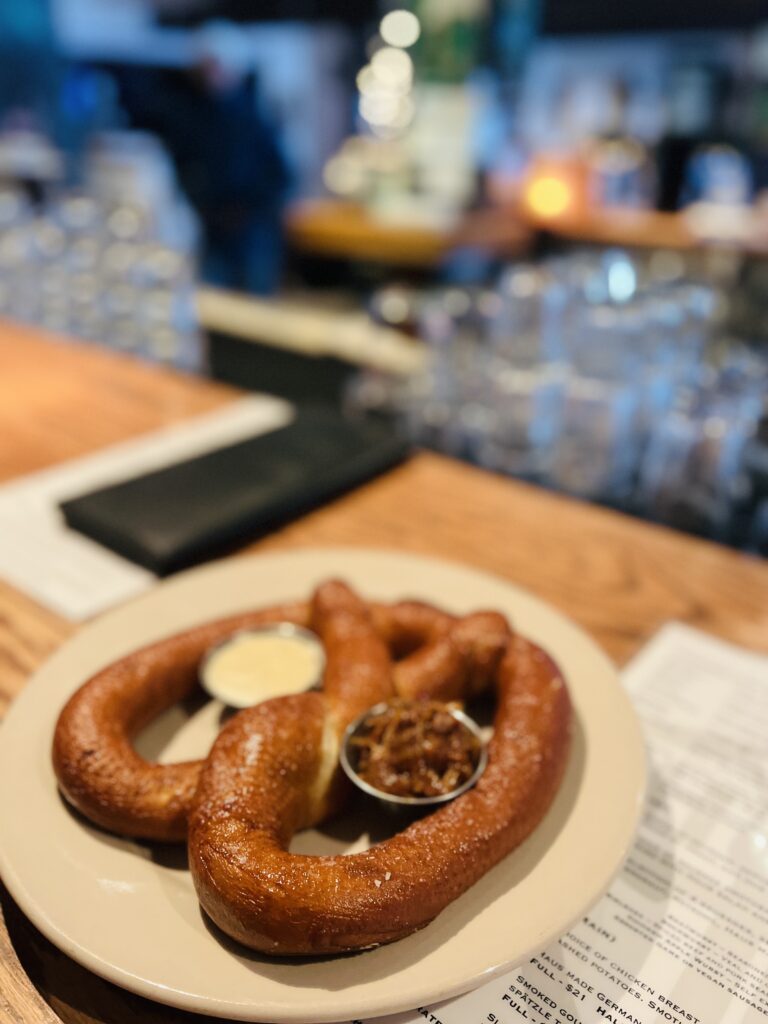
{"x": 694, "y": 472}
{"x": 593, "y": 454}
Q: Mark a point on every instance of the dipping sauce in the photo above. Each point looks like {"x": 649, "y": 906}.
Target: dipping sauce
{"x": 259, "y": 664}
{"x": 415, "y": 750}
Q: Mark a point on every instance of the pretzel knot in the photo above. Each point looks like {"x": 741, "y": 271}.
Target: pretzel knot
{"x": 273, "y": 770}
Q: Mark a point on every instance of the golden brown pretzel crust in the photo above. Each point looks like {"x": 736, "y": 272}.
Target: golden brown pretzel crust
{"x": 97, "y": 768}
{"x": 251, "y": 799}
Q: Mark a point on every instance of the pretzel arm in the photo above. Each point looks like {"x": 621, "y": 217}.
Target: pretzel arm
{"x": 281, "y": 903}
{"x": 96, "y": 766}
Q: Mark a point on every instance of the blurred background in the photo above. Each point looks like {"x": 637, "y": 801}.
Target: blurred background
{"x": 532, "y": 234}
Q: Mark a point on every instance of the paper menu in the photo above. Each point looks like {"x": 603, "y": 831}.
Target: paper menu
{"x": 682, "y": 935}
{"x": 68, "y": 572}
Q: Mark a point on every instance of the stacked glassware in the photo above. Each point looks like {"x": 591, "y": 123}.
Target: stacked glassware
{"x": 113, "y": 262}
{"x": 589, "y": 375}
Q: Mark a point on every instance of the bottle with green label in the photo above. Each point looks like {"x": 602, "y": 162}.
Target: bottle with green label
{"x": 453, "y": 34}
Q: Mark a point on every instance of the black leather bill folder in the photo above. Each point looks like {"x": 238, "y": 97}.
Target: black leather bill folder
{"x": 178, "y": 516}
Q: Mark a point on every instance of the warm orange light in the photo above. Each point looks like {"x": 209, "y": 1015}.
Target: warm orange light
{"x": 549, "y": 196}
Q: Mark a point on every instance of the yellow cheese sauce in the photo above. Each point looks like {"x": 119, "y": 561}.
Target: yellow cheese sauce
{"x": 252, "y": 667}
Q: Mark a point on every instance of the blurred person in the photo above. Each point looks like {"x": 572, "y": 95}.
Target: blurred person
{"x": 29, "y": 67}
{"x": 227, "y": 153}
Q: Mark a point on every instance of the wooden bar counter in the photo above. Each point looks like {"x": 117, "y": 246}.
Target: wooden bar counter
{"x": 618, "y": 578}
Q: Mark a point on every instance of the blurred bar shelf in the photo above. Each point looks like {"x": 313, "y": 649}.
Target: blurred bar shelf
{"x": 337, "y": 229}
{"x": 626, "y": 229}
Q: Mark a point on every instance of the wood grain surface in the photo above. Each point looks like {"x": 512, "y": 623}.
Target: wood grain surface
{"x": 340, "y": 229}
{"x": 618, "y": 578}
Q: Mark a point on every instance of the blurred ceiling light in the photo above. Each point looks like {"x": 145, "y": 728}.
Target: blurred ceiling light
{"x": 366, "y": 79}
{"x": 380, "y": 108}
{"x": 400, "y": 28}
{"x": 392, "y": 67}
{"x": 549, "y": 196}
{"x": 385, "y": 111}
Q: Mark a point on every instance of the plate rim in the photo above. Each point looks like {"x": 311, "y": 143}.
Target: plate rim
{"x": 194, "y": 1002}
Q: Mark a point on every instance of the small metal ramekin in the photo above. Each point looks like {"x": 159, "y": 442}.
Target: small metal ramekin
{"x": 284, "y": 629}
{"x": 410, "y": 801}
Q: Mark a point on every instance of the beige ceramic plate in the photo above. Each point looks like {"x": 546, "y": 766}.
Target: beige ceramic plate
{"x": 129, "y": 912}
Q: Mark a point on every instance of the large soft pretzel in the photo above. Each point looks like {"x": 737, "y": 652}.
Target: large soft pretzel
{"x": 101, "y": 774}
{"x": 273, "y": 771}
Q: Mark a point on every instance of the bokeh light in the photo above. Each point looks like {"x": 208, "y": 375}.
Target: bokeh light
{"x": 549, "y": 196}
{"x": 393, "y": 67}
{"x": 400, "y": 28}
